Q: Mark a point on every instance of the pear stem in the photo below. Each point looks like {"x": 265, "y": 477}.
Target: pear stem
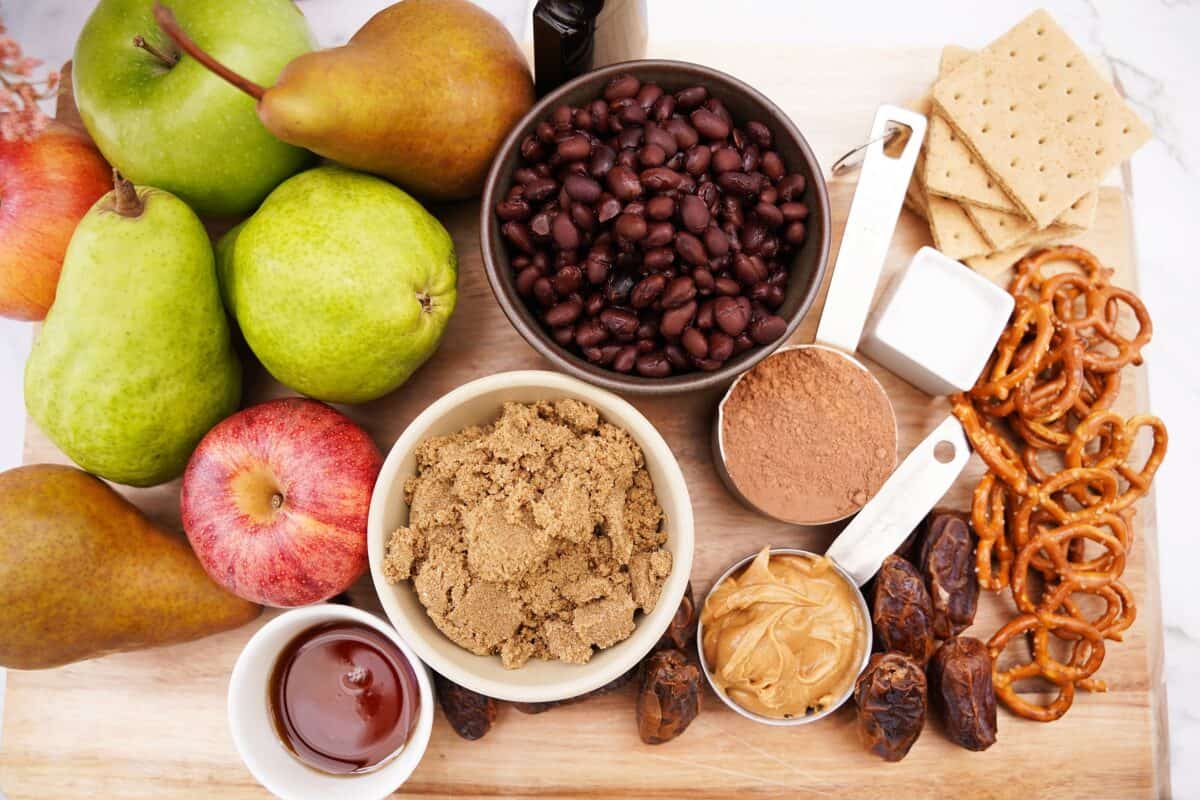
{"x": 128, "y": 204}
{"x": 168, "y": 60}
{"x": 170, "y": 26}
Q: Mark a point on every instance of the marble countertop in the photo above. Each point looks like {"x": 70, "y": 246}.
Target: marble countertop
{"x": 1151, "y": 47}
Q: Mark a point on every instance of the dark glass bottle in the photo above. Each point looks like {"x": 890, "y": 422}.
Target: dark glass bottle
{"x": 571, "y": 37}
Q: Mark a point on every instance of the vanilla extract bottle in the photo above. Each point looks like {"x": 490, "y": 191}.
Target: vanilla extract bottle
{"x": 572, "y": 37}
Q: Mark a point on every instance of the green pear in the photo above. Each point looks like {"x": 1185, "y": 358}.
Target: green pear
{"x": 166, "y": 121}
{"x": 423, "y": 94}
{"x": 134, "y": 363}
{"x": 83, "y": 573}
{"x": 341, "y": 284}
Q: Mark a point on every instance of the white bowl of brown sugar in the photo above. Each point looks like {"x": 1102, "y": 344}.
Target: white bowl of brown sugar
{"x": 530, "y": 536}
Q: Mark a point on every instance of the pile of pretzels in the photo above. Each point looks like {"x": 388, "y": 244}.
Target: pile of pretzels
{"x": 1053, "y": 511}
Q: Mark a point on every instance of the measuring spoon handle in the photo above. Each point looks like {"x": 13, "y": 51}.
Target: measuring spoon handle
{"x": 869, "y": 228}
{"x": 905, "y": 498}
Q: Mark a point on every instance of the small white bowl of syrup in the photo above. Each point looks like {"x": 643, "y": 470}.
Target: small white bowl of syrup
{"x": 327, "y": 701}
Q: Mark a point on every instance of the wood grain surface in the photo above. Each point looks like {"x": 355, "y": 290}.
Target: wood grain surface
{"x": 152, "y": 724}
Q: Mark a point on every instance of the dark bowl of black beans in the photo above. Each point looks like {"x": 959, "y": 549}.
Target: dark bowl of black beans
{"x": 655, "y": 227}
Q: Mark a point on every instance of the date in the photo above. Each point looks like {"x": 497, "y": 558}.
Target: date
{"x": 471, "y": 714}
{"x": 947, "y": 562}
{"x": 902, "y": 612}
{"x": 682, "y": 629}
{"x": 669, "y": 697}
{"x": 960, "y": 690}
{"x": 891, "y": 698}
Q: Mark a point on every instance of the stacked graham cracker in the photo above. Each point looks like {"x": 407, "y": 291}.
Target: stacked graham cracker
{"x": 1021, "y": 134}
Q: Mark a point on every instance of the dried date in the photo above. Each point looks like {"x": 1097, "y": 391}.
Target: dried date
{"x": 471, "y": 714}
{"x": 947, "y": 562}
{"x": 960, "y": 689}
{"x": 902, "y": 611}
{"x": 682, "y": 629}
{"x": 891, "y": 699}
{"x": 669, "y": 697}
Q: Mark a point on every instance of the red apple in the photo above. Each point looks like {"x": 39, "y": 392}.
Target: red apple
{"x": 47, "y": 184}
{"x": 275, "y": 502}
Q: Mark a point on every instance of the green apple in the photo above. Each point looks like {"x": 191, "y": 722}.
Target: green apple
{"x": 341, "y": 284}
{"x": 166, "y": 121}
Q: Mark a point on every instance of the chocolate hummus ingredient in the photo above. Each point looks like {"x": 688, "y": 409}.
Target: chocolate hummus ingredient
{"x": 669, "y": 697}
{"x": 785, "y": 636}
{"x": 808, "y": 435}
{"x": 469, "y": 713}
{"x": 537, "y": 536}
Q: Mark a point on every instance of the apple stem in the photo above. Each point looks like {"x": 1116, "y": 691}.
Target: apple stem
{"x": 170, "y": 26}
{"x": 168, "y": 60}
{"x": 277, "y": 501}
{"x": 128, "y": 203}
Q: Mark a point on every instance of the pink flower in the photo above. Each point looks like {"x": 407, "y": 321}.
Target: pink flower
{"x": 20, "y": 116}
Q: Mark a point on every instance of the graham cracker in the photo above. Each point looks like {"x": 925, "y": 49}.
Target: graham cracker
{"x": 953, "y": 232}
{"x": 1003, "y": 230}
{"x": 914, "y": 195}
{"x": 1044, "y": 123}
{"x": 951, "y": 170}
{"x": 995, "y": 263}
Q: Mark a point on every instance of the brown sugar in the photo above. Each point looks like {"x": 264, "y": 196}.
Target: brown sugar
{"x": 808, "y": 435}
{"x": 538, "y": 536}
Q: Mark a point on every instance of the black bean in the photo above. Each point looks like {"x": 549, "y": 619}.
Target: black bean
{"x": 658, "y": 179}
{"x": 623, "y": 182}
{"x": 726, "y": 159}
{"x": 759, "y": 133}
{"x": 695, "y": 342}
{"x": 603, "y": 159}
{"x": 659, "y": 234}
{"x": 630, "y": 227}
{"x": 791, "y": 187}
{"x": 619, "y": 322}
{"x": 694, "y": 214}
{"x": 564, "y": 313}
{"x": 622, "y": 86}
{"x": 647, "y": 291}
{"x": 653, "y": 364}
{"x": 674, "y": 320}
{"x": 729, "y": 316}
{"x": 739, "y": 184}
{"x": 660, "y": 207}
{"x": 658, "y": 258}
{"x": 766, "y": 329}
{"x": 720, "y": 346}
{"x": 709, "y": 125}
{"x": 691, "y": 97}
{"x": 679, "y": 291}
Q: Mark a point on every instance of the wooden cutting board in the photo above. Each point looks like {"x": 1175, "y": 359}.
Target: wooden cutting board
{"x": 152, "y": 724}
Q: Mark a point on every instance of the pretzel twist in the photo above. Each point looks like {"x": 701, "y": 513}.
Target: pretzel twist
{"x": 1052, "y": 513}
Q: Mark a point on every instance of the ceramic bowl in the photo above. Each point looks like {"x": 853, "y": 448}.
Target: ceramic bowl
{"x": 479, "y": 403}
{"x": 744, "y": 103}
{"x": 807, "y": 718}
{"x": 253, "y": 728}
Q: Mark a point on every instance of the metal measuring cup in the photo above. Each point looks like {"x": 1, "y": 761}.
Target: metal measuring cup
{"x": 880, "y": 527}
{"x": 865, "y": 240}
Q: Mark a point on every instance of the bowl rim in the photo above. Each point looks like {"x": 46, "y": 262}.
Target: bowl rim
{"x": 514, "y": 307}
{"x": 653, "y": 446}
{"x": 402, "y": 764}
{"x": 780, "y": 722}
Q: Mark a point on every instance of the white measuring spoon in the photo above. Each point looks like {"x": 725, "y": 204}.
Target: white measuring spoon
{"x": 865, "y": 240}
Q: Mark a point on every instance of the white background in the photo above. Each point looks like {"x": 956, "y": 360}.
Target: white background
{"x": 1154, "y": 49}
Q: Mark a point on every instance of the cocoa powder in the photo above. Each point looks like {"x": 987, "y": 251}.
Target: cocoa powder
{"x": 808, "y": 435}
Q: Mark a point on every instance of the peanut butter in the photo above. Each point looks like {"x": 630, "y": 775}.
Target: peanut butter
{"x": 785, "y": 637}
